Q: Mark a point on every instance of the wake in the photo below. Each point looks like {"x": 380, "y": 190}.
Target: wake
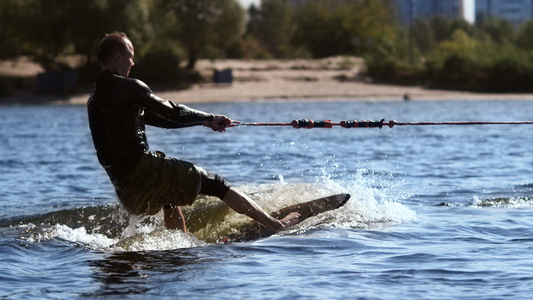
{"x": 109, "y": 228}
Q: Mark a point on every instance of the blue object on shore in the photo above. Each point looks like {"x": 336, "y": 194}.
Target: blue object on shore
{"x": 223, "y": 77}
{"x": 57, "y": 82}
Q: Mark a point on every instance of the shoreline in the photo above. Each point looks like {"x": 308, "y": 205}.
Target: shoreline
{"x": 237, "y": 93}
{"x": 328, "y": 79}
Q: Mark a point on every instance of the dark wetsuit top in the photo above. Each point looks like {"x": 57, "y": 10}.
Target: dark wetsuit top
{"x": 118, "y": 109}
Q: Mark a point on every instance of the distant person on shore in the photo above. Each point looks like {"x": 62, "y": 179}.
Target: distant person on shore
{"x": 146, "y": 181}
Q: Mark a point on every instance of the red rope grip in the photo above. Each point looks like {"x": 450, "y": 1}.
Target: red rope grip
{"x": 303, "y": 123}
{"x": 310, "y": 124}
{"x": 323, "y": 124}
{"x": 295, "y": 124}
{"x": 362, "y": 124}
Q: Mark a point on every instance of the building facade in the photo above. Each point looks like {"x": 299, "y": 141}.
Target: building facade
{"x": 515, "y": 11}
{"x": 410, "y": 10}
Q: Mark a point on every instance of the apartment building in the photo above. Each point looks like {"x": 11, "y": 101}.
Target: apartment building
{"x": 515, "y": 11}
{"x": 410, "y": 10}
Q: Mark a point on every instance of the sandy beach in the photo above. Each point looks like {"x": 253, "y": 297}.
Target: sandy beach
{"x": 335, "y": 78}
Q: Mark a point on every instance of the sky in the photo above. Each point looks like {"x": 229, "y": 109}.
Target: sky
{"x": 468, "y": 8}
{"x": 247, "y": 3}
{"x": 470, "y": 14}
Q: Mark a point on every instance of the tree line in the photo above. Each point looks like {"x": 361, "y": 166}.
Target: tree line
{"x": 490, "y": 55}
{"x": 169, "y": 32}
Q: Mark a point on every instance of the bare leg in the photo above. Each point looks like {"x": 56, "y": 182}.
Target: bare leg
{"x": 174, "y": 219}
{"x": 244, "y": 205}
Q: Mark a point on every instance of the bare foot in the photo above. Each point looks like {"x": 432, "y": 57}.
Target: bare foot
{"x": 290, "y": 220}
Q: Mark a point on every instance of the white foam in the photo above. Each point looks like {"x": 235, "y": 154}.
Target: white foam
{"x": 371, "y": 203}
{"x": 159, "y": 240}
{"x": 512, "y": 202}
{"x": 80, "y": 235}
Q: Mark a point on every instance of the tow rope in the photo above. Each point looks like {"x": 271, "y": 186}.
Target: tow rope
{"x": 309, "y": 124}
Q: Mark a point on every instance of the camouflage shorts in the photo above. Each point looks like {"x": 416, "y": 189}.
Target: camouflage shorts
{"x": 157, "y": 181}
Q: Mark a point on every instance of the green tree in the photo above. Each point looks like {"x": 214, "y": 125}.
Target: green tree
{"x": 206, "y": 23}
{"x": 444, "y": 28}
{"x": 459, "y": 43}
{"x": 524, "y": 37}
{"x": 159, "y": 57}
{"x": 321, "y": 28}
{"x": 371, "y": 22}
{"x": 47, "y": 29}
{"x": 423, "y": 36}
{"x": 13, "y": 29}
{"x": 92, "y": 19}
{"x": 501, "y": 31}
{"x": 273, "y": 26}
{"x": 338, "y": 27}
{"x": 50, "y": 27}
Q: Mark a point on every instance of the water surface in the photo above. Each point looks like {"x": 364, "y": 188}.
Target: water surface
{"x": 436, "y": 211}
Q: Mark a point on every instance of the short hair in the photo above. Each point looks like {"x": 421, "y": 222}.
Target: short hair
{"x": 111, "y": 44}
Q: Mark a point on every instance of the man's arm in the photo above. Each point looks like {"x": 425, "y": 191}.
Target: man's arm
{"x": 153, "y": 119}
{"x": 218, "y": 123}
{"x": 160, "y": 112}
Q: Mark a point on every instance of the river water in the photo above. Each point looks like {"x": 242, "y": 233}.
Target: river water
{"x": 437, "y": 212}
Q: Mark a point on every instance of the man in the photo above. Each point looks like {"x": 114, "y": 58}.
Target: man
{"x": 146, "y": 182}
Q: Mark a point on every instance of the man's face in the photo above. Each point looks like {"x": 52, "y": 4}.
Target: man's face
{"x": 125, "y": 60}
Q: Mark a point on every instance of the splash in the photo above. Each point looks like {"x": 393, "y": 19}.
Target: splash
{"x": 371, "y": 204}
{"x": 80, "y": 235}
{"x": 140, "y": 234}
{"x": 108, "y": 228}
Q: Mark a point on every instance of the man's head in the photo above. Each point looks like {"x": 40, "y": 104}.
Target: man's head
{"x": 116, "y": 53}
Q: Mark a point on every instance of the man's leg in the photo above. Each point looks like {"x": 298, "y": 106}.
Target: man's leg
{"x": 174, "y": 218}
{"x": 244, "y": 205}
{"x": 214, "y": 185}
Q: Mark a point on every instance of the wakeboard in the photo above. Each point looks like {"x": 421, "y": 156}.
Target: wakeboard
{"x": 253, "y": 231}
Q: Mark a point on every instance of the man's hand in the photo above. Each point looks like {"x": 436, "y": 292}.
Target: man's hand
{"x": 219, "y": 123}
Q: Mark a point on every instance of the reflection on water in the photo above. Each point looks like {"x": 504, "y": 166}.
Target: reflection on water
{"x": 132, "y": 273}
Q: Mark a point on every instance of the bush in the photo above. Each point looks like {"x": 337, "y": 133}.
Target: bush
{"x": 512, "y": 72}
{"x": 384, "y": 66}
{"x": 498, "y": 69}
{"x": 159, "y": 65}
{"x": 4, "y": 91}
{"x": 455, "y": 71}
{"x": 487, "y": 68}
